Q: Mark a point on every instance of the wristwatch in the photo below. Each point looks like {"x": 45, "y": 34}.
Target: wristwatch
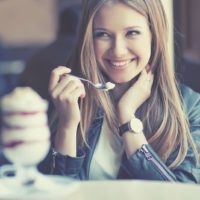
{"x": 133, "y": 126}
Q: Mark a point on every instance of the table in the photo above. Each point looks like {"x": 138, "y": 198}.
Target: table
{"x": 107, "y": 190}
{"x": 135, "y": 190}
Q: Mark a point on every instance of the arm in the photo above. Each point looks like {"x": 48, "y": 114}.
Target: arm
{"x": 65, "y": 91}
{"x": 189, "y": 170}
{"x": 66, "y": 165}
{"x": 141, "y": 164}
{"x": 141, "y": 161}
{"x": 145, "y": 164}
{"x": 128, "y": 104}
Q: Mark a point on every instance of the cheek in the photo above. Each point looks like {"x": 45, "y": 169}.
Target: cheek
{"x": 100, "y": 49}
{"x": 147, "y": 55}
{"x": 148, "y": 49}
{"x": 144, "y": 52}
{"x": 144, "y": 47}
{"x": 98, "y": 52}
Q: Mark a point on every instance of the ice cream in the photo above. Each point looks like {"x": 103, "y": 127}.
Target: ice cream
{"x": 25, "y": 133}
{"x": 109, "y": 85}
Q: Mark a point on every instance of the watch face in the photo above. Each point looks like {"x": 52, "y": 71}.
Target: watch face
{"x": 136, "y": 125}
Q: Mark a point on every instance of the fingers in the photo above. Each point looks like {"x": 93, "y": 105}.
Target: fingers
{"x": 64, "y": 87}
{"x": 55, "y": 76}
{"x": 68, "y": 85}
{"x": 72, "y": 96}
{"x": 146, "y": 76}
{"x": 144, "y": 83}
{"x": 65, "y": 84}
{"x": 148, "y": 68}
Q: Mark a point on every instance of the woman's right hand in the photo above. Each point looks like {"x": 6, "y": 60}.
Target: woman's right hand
{"x": 65, "y": 90}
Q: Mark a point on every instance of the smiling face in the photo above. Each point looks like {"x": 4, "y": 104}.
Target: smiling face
{"x": 122, "y": 41}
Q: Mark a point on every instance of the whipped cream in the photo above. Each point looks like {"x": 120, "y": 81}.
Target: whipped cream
{"x": 109, "y": 85}
{"x": 23, "y": 99}
{"x": 25, "y": 133}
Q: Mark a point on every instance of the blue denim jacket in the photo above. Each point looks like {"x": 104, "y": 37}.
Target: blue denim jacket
{"x": 145, "y": 163}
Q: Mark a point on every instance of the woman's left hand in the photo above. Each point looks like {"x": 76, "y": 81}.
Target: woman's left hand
{"x": 135, "y": 96}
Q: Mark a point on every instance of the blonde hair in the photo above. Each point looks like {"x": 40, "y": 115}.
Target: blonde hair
{"x": 166, "y": 125}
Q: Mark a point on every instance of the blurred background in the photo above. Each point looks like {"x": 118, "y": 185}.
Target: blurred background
{"x": 36, "y": 36}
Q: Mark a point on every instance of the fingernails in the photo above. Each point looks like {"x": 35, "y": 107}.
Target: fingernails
{"x": 148, "y": 68}
{"x": 66, "y": 68}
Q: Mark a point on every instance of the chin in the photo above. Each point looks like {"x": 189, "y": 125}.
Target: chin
{"x": 123, "y": 80}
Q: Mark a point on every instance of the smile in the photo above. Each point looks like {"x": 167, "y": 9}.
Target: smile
{"x": 120, "y": 64}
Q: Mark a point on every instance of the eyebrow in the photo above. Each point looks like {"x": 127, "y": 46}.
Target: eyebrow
{"x": 100, "y": 29}
{"x": 133, "y": 27}
{"x": 127, "y": 28}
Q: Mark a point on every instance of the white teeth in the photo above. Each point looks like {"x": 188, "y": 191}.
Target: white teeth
{"x": 120, "y": 64}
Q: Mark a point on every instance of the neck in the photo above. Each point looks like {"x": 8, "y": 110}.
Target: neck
{"x": 121, "y": 88}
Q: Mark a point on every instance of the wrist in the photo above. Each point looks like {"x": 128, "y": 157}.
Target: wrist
{"x": 133, "y": 142}
{"x": 67, "y": 127}
{"x": 134, "y": 125}
{"x": 126, "y": 117}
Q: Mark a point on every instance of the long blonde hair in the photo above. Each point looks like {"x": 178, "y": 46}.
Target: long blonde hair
{"x": 166, "y": 125}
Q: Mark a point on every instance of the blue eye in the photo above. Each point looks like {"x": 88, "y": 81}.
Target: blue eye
{"x": 101, "y": 34}
{"x": 133, "y": 33}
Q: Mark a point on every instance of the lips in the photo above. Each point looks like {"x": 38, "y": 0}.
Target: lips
{"x": 120, "y": 64}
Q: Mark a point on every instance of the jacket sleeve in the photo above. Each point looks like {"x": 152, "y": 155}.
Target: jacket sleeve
{"x": 191, "y": 103}
{"x": 58, "y": 164}
{"x": 67, "y": 165}
{"x": 145, "y": 163}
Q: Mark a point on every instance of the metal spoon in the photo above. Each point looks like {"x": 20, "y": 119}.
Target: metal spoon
{"x": 101, "y": 86}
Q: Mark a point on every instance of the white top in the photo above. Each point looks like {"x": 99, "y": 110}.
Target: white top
{"x": 107, "y": 156}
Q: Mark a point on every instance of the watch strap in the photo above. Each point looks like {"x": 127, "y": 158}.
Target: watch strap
{"x": 124, "y": 128}
{"x": 134, "y": 126}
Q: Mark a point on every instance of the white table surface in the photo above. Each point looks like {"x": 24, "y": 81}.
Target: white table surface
{"x": 135, "y": 190}
{"x": 111, "y": 190}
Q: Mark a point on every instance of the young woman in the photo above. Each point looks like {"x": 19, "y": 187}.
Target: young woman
{"x": 148, "y": 126}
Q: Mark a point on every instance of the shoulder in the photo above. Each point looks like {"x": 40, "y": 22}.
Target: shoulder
{"x": 190, "y": 100}
{"x": 185, "y": 91}
{"x": 191, "y": 105}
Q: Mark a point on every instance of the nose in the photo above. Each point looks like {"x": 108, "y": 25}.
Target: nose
{"x": 119, "y": 47}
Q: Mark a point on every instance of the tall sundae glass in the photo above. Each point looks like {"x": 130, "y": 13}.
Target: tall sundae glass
{"x": 24, "y": 136}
